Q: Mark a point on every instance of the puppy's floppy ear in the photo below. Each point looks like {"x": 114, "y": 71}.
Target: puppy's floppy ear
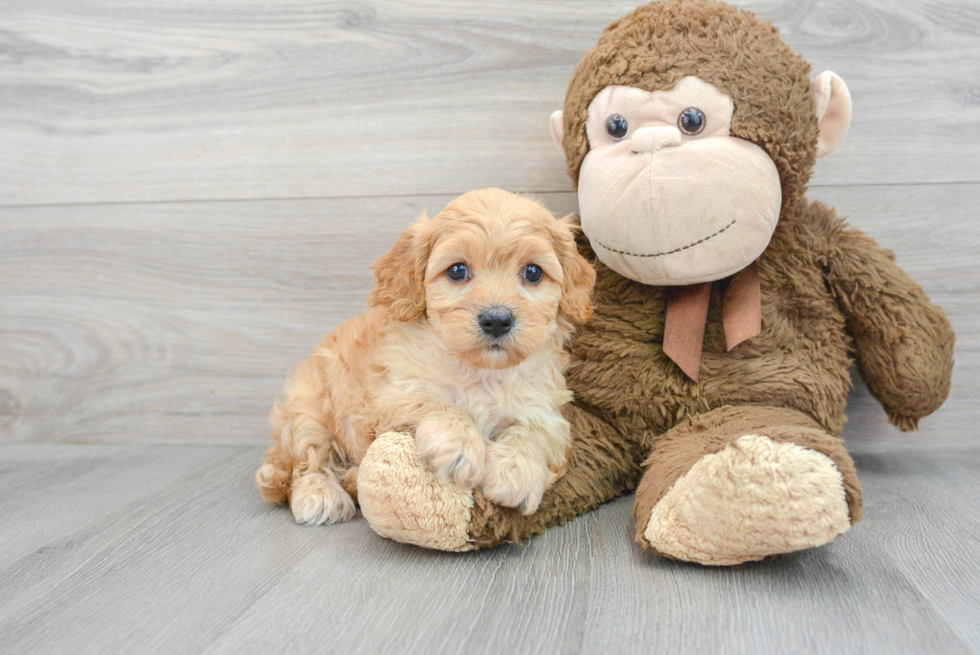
{"x": 399, "y": 275}
{"x": 576, "y": 299}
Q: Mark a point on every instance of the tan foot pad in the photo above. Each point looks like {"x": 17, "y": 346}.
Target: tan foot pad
{"x": 403, "y": 500}
{"x": 755, "y": 498}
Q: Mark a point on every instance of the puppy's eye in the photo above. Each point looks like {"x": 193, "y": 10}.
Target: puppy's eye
{"x": 533, "y": 273}
{"x": 617, "y": 127}
{"x": 457, "y": 272}
{"x": 692, "y": 121}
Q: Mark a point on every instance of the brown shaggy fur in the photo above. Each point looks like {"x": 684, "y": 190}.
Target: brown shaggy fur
{"x": 723, "y": 45}
{"x": 830, "y": 296}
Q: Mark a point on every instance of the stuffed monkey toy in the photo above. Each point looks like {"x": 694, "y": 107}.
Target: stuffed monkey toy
{"x": 713, "y": 375}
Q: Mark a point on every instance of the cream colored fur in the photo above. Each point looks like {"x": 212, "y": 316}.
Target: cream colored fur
{"x": 474, "y": 413}
{"x": 833, "y": 104}
{"x": 755, "y": 498}
{"x": 482, "y": 411}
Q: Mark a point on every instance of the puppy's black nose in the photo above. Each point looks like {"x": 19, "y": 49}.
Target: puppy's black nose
{"x": 496, "y": 321}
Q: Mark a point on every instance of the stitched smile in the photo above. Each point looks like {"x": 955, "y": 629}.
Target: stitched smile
{"x": 667, "y": 252}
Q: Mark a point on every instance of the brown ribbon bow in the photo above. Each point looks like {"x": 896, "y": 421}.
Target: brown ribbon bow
{"x": 687, "y": 313}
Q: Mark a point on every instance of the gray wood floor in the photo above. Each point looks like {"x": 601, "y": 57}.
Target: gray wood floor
{"x": 190, "y": 196}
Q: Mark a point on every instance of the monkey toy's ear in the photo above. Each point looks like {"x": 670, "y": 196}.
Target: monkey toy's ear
{"x": 558, "y": 130}
{"x": 833, "y": 103}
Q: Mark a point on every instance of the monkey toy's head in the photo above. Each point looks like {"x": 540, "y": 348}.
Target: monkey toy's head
{"x": 687, "y": 129}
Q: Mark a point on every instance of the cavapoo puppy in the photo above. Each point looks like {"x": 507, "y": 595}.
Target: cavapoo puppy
{"x": 462, "y": 346}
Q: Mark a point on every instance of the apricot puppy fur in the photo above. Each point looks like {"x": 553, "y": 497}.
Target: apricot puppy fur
{"x": 463, "y": 345}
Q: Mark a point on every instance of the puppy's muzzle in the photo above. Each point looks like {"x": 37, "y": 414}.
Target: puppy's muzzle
{"x": 496, "y": 322}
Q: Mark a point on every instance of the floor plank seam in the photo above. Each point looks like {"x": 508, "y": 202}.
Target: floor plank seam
{"x": 420, "y": 194}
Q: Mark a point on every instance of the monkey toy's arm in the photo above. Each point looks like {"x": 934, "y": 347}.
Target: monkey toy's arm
{"x": 403, "y": 500}
{"x": 903, "y": 343}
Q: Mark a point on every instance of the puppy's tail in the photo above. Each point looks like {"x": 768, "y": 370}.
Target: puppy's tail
{"x": 274, "y": 478}
{"x": 300, "y": 441}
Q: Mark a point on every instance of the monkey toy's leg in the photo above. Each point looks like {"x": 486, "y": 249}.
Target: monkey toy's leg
{"x": 739, "y": 484}
{"x": 403, "y": 500}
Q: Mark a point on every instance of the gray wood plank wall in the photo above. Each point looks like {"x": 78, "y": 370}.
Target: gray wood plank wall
{"x": 190, "y": 196}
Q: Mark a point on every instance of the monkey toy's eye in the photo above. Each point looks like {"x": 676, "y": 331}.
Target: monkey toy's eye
{"x": 691, "y": 121}
{"x": 457, "y": 272}
{"x": 617, "y": 127}
{"x": 533, "y": 273}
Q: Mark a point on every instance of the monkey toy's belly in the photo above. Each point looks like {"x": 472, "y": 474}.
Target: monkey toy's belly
{"x": 800, "y": 360}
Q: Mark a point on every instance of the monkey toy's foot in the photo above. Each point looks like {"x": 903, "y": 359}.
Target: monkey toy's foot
{"x": 403, "y": 500}
{"x": 742, "y": 483}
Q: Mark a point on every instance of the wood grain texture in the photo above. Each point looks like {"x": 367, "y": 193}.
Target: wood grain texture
{"x": 190, "y": 196}
{"x": 203, "y": 566}
{"x": 140, "y": 101}
{"x": 923, "y": 509}
{"x": 177, "y": 323}
{"x": 157, "y": 574}
{"x": 56, "y": 490}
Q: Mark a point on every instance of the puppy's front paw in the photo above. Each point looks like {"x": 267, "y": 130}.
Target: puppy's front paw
{"x": 513, "y": 480}
{"x": 455, "y": 453}
{"x": 318, "y": 499}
